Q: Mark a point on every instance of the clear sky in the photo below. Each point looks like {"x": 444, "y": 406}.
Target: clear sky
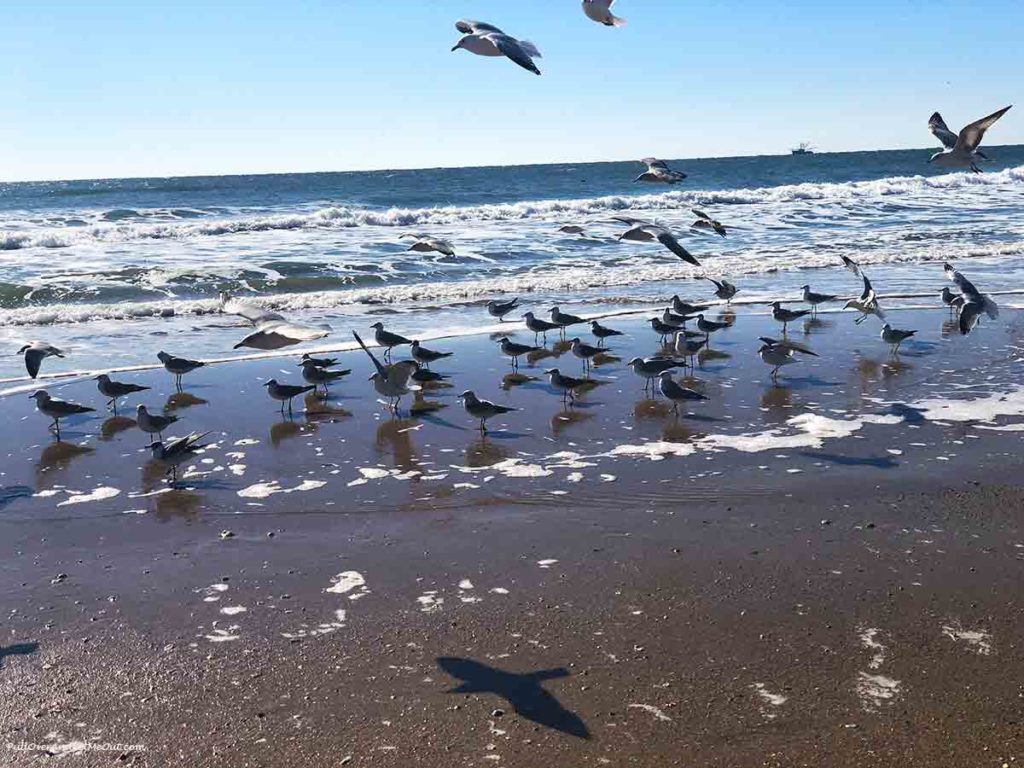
{"x": 127, "y": 88}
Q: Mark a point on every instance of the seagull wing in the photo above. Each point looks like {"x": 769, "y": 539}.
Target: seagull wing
{"x": 969, "y": 314}
{"x": 33, "y": 359}
{"x": 653, "y": 162}
{"x": 966, "y": 286}
{"x": 868, "y": 294}
{"x": 531, "y": 49}
{"x": 938, "y": 128}
{"x": 631, "y": 221}
{"x": 667, "y": 239}
{"x": 513, "y": 49}
{"x": 376, "y": 363}
{"x": 470, "y": 27}
{"x": 970, "y": 137}
{"x": 702, "y": 215}
{"x": 851, "y": 265}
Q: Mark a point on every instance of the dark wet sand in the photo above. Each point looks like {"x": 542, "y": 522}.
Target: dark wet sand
{"x": 864, "y": 611}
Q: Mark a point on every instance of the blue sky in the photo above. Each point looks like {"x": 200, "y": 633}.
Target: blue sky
{"x": 118, "y": 88}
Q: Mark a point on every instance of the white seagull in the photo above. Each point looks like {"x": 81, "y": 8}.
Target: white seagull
{"x": 645, "y": 233}
{"x": 426, "y": 244}
{"x": 658, "y": 172}
{"x": 277, "y": 334}
{"x": 866, "y": 303}
{"x": 975, "y": 303}
{"x": 35, "y": 352}
{"x": 487, "y": 40}
{"x": 961, "y": 155}
{"x": 255, "y": 314}
{"x": 600, "y": 11}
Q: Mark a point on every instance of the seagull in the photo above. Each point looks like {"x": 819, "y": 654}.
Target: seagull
{"x": 499, "y": 309}
{"x": 510, "y": 349}
{"x": 651, "y": 368}
{"x": 115, "y": 389}
{"x": 153, "y": 423}
{"x": 787, "y": 316}
{"x": 427, "y": 356}
{"x": 723, "y": 289}
{"x": 706, "y": 222}
{"x": 894, "y": 336}
{"x": 179, "y": 366}
{"x": 424, "y": 376}
{"x": 681, "y": 307}
{"x": 866, "y": 303}
{"x": 658, "y": 172}
{"x": 320, "y": 362}
{"x": 482, "y": 409}
{"x": 57, "y": 409}
{"x": 391, "y": 381}
{"x": 951, "y": 300}
{"x": 387, "y": 339}
{"x": 671, "y": 318}
{"x": 285, "y": 393}
{"x": 602, "y": 332}
{"x": 566, "y": 384}
{"x": 563, "y": 319}
{"x": 426, "y": 244}
{"x": 317, "y": 375}
{"x": 974, "y": 301}
{"x": 961, "y": 155}
{"x": 676, "y": 392}
{"x": 487, "y": 40}
{"x": 645, "y": 233}
{"x": 710, "y": 326}
{"x": 584, "y": 352}
{"x": 851, "y": 265}
{"x": 792, "y": 346}
{"x": 600, "y": 11}
{"x": 662, "y": 328}
{"x": 255, "y": 314}
{"x": 776, "y": 356}
{"x": 278, "y": 334}
{"x": 572, "y": 229}
{"x": 539, "y": 326}
{"x": 814, "y": 299}
{"x": 688, "y": 348}
{"x": 177, "y": 451}
{"x": 35, "y": 352}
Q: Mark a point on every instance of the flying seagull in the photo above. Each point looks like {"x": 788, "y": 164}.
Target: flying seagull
{"x": 487, "y": 40}
{"x": 426, "y": 244}
{"x": 658, "y": 172}
{"x": 645, "y": 233}
{"x": 706, "y": 222}
{"x": 278, "y": 334}
{"x": 975, "y": 303}
{"x": 961, "y": 154}
{"x": 600, "y": 11}
{"x": 851, "y": 265}
{"x": 947, "y": 138}
{"x": 724, "y": 289}
{"x": 866, "y": 303}
{"x": 255, "y": 314}
{"x": 35, "y": 352}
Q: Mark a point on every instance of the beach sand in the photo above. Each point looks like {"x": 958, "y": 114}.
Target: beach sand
{"x": 822, "y": 571}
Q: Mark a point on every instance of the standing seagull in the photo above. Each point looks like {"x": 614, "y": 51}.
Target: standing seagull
{"x": 567, "y": 385}
{"x": 317, "y": 375}
{"x": 658, "y": 172}
{"x": 866, "y": 303}
{"x": 814, "y": 299}
{"x": 387, "y": 339}
{"x": 179, "y": 366}
{"x": 975, "y": 303}
{"x": 499, "y": 309}
{"x": 57, "y": 409}
{"x": 776, "y": 356}
{"x": 539, "y": 326}
{"x": 426, "y": 244}
{"x": 961, "y": 155}
{"x": 787, "y": 316}
{"x": 706, "y": 222}
{"x": 600, "y": 11}
{"x": 176, "y": 452}
{"x": 487, "y": 40}
{"x": 482, "y": 409}
{"x": 707, "y": 327}
{"x": 153, "y": 423}
{"x": 676, "y": 392}
{"x": 114, "y": 389}
{"x": 894, "y": 336}
{"x": 602, "y": 332}
{"x": 645, "y": 233}
{"x": 724, "y": 289}
{"x": 584, "y": 352}
{"x": 681, "y": 307}
{"x": 563, "y": 319}
{"x": 35, "y": 352}
{"x": 510, "y": 349}
{"x": 951, "y": 300}
{"x": 285, "y": 393}
{"x": 427, "y": 356}
{"x": 651, "y": 368}
{"x": 391, "y": 381}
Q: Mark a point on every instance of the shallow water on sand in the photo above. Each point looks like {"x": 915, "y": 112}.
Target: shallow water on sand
{"x": 945, "y": 401}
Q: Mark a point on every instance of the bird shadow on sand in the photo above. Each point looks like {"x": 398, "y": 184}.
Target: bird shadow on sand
{"x": 523, "y": 692}
{"x": 19, "y": 649}
{"x": 878, "y": 462}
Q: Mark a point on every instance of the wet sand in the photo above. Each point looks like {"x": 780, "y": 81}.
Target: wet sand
{"x": 823, "y": 571}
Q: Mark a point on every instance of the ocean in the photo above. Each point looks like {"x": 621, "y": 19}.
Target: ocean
{"x": 111, "y": 268}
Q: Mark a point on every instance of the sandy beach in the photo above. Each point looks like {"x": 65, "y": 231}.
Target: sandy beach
{"x": 818, "y": 571}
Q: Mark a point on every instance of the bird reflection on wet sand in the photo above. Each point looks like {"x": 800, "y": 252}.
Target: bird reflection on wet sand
{"x": 114, "y": 426}
{"x": 484, "y": 452}
{"x": 566, "y": 418}
{"x": 777, "y": 404}
{"x": 394, "y": 437}
{"x": 181, "y": 400}
{"x": 55, "y": 458}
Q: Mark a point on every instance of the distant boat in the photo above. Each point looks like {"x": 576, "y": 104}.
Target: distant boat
{"x": 804, "y": 148}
